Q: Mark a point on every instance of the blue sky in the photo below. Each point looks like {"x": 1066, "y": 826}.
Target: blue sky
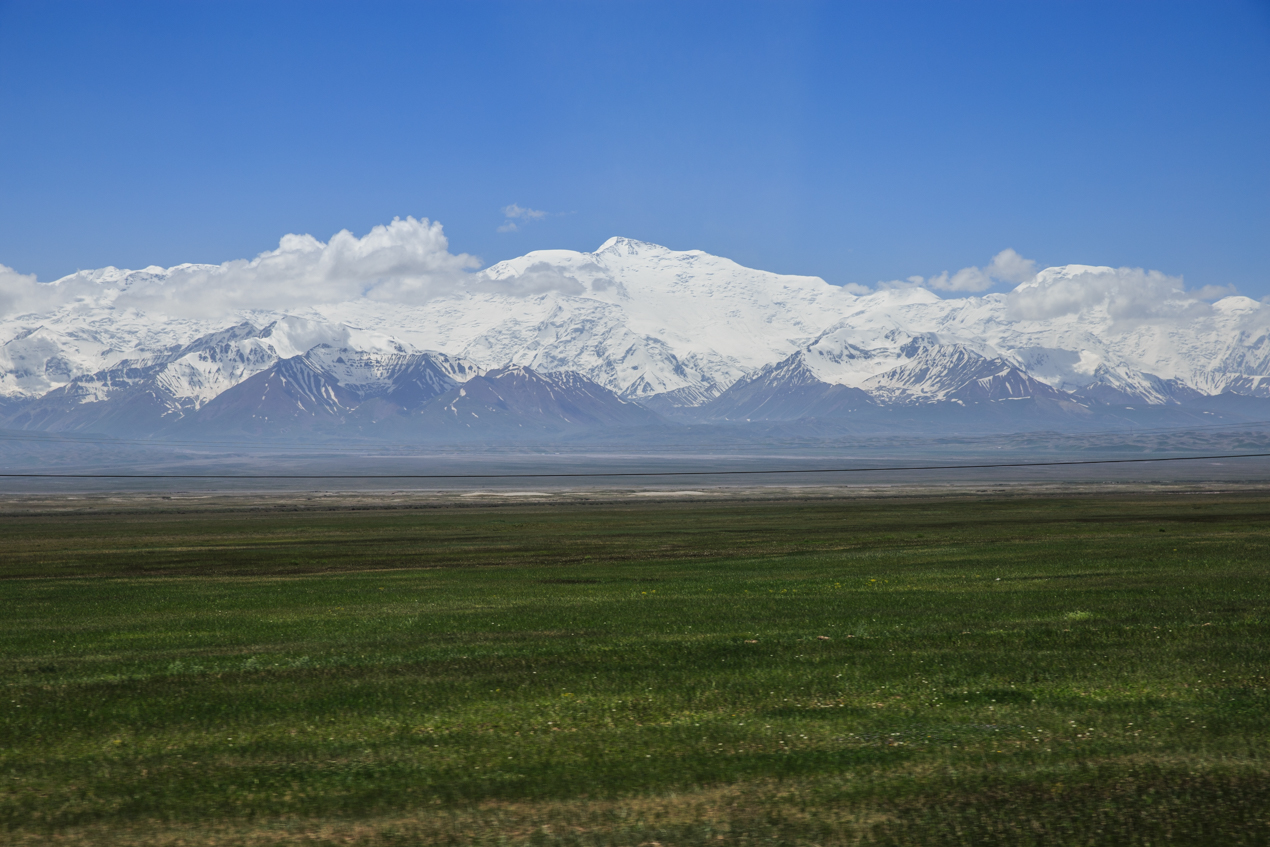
{"x": 855, "y": 141}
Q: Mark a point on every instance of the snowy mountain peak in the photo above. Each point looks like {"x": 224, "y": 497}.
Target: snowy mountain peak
{"x": 1056, "y": 275}
{"x": 619, "y": 246}
{"x": 666, "y": 328}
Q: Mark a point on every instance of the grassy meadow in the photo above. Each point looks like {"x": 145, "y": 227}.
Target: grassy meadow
{"x": 953, "y": 671}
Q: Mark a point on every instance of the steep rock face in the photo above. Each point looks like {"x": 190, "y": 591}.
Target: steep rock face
{"x": 142, "y": 396}
{"x": 38, "y": 360}
{"x": 934, "y": 376}
{"x": 1008, "y": 384}
{"x": 406, "y": 380}
{"x": 328, "y": 388}
{"x": 1120, "y": 388}
{"x": 786, "y": 391}
{"x": 518, "y": 402}
{"x": 124, "y": 401}
{"x": 680, "y": 403}
{"x": 1251, "y": 386}
{"x": 293, "y": 395}
{"x": 932, "y": 371}
{"x": 670, "y": 330}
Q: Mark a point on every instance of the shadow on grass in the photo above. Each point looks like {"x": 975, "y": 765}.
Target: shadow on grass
{"x": 337, "y": 784}
{"x": 1112, "y": 809}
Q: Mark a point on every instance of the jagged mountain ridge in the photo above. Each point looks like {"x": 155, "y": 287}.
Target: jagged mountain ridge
{"x": 144, "y": 394}
{"x": 683, "y": 333}
{"x": 417, "y": 398}
{"x": 942, "y": 379}
{"x": 519, "y": 402}
{"x": 330, "y": 387}
{"x": 785, "y": 391}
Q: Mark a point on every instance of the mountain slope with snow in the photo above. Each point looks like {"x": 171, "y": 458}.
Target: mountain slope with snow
{"x": 330, "y": 387}
{"x": 672, "y": 330}
{"x": 516, "y": 403}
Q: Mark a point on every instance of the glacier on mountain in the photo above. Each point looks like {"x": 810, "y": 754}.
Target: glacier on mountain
{"x": 669, "y": 329}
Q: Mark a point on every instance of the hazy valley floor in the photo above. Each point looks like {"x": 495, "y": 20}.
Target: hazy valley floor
{"x": 103, "y": 466}
{"x": 1061, "y": 664}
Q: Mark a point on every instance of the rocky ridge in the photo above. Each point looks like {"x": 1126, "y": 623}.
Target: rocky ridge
{"x": 683, "y": 334}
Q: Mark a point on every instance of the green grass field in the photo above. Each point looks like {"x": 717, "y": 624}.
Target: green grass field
{"x": 1015, "y": 671}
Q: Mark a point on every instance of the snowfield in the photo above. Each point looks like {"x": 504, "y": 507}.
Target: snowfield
{"x": 645, "y": 322}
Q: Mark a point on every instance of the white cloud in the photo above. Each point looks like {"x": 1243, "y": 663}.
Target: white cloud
{"x": 19, "y": 292}
{"x": 406, "y": 261}
{"x": 1125, "y": 294}
{"x": 516, "y": 216}
{"x": 1009, "y": 266}
{"x": 538, "y": 278}
{"x": 966, "y": 279}
{"x": 1006, "y": 266}
{"x": 1211, "y": 293}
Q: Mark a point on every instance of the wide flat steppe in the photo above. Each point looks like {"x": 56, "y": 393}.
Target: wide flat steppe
{"x": 905, "y": 665}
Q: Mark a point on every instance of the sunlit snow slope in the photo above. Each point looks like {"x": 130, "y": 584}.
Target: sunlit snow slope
{"x": 658, "y": 326}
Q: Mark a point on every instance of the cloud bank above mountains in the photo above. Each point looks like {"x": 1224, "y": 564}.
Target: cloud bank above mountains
{"x": 1127, "y": 294}
{"x": 1006, "y": 266}
{"x": 409, "y": 261}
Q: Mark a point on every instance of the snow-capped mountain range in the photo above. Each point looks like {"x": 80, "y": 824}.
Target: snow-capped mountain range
{"x": 684, "y": 334}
